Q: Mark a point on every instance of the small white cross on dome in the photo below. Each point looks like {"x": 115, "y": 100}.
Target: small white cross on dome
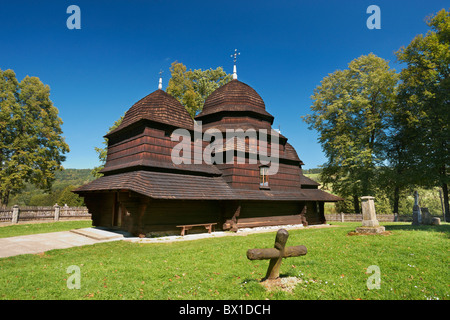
{"x": 234, "y": 60}
{"x": 160, "y": 79}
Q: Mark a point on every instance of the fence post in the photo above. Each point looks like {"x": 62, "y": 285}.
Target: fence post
{"x": 15, "y": 214}
{"x": 342, "y": 217}
{"x": 57, "y": 211}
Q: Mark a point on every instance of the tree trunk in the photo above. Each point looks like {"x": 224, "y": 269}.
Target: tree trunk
{"x": 446, "y": 206}
{"x": 356, "y": 203}
{"x": 4, "y": 199}
{"x": 396, "y": 199}
{"x": 443, "y": 173}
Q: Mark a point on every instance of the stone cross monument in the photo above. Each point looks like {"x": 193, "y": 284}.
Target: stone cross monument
{"x": 369, "y": 223}
{"x": 422, "y": 215}
{"x": 417, "y": 214}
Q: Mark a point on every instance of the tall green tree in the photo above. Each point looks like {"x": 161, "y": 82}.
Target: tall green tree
{"x": 31, "y": 144}
{"x": 349, "y": 112}
{"x": 192, "y": 87}
{"x": 424, "y": 103}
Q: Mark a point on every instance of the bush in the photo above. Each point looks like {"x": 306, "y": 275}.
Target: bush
{"x": 70, "y": 198}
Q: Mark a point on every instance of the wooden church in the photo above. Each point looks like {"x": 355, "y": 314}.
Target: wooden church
{"x": 143, "y": 191}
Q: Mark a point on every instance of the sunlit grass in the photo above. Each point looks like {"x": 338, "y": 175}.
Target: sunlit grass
{"x": 414, "y": 264}
{"x": 34, "y": 228}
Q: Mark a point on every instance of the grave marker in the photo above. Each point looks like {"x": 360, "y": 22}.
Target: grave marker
{"x": 370, "y": 223}
{"x": 417, "y": 214}
{"x": 276, "y": 254}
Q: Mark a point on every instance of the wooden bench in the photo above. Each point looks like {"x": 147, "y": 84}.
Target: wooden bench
{"x": 208, "y": 226}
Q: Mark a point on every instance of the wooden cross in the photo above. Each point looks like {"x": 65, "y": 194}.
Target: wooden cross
{"x": 276, "y": 254}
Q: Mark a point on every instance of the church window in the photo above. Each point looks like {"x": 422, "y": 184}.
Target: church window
{"x": 263, "y": 177}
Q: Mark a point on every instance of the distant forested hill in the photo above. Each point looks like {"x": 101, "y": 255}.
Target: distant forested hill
{"x": 65, "y": 181}
{"x": 312, "y": 171}
{"x": 74, "y": 177}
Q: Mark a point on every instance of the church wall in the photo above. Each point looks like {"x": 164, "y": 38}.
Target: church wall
{"x": 153, "y": 144}
{"x": 236, "y": 122}
{"x": 252, "y": 209}
{"x": 101, "y": 206}
{"x": 150, "y": 144}
{"x": 265, "y": 213}
{"x": 315, "y": 212}
{"x": 163, "y": 216}
{"x": 246, "y": 176}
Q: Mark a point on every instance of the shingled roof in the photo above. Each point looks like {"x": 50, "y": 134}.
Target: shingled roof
{"x": 300, "y": 195}
{"x": 304, "y": 180}
{"x": 160, "y": 185}
{"x": 234, "y": 96}
{"x": 202, "y": 169}
{"x": 158, "y": 106}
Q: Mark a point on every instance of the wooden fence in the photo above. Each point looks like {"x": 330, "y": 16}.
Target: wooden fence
{"x": 15, "y": 214}
{"x": 356, "y": 217}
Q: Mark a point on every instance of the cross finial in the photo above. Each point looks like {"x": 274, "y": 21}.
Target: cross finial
{"x": 160, "y": 79}
{"x": 234, "y": 56}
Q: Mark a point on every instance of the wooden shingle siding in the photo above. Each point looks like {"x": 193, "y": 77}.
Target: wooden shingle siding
{"x": 159, "y": 185}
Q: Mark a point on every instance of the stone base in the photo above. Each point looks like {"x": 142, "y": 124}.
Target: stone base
{"x": 370, "y": 230}
{"x": 285, "y": 284}
{"x": 436, "y": 221}
{"x": 370, "y": 223}
{"x": 433, "y": 221}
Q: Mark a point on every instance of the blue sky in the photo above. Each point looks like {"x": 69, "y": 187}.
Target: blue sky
{"x": 287, "y": 48}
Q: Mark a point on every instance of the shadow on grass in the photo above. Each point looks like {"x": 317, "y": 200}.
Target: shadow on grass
{"x": 444, "y": 228}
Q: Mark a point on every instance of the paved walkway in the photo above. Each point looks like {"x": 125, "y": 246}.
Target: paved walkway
{"x": 37, "y": 243}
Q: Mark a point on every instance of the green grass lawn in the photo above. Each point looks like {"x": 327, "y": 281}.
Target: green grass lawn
{"x": 34, "y": 228}
{"x": 413, "y": 261}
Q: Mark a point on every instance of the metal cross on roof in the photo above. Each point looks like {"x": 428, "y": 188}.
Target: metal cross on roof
{"x": 235, "y": 55}
{"x": 160, "y": 79}
{"x": 234, "y": 60}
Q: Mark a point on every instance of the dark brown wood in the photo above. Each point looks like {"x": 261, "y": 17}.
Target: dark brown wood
{"x": 276, "y": 254}
{"x": 236, "y": 215}
{"x": 303, "y": 216}
{"x": 141, "y": 211}
{"x": 272, "y": 253}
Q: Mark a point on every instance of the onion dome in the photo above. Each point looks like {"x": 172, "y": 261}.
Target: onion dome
{"x": 235, "y": 96}
{"x": 160, "y": 107}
